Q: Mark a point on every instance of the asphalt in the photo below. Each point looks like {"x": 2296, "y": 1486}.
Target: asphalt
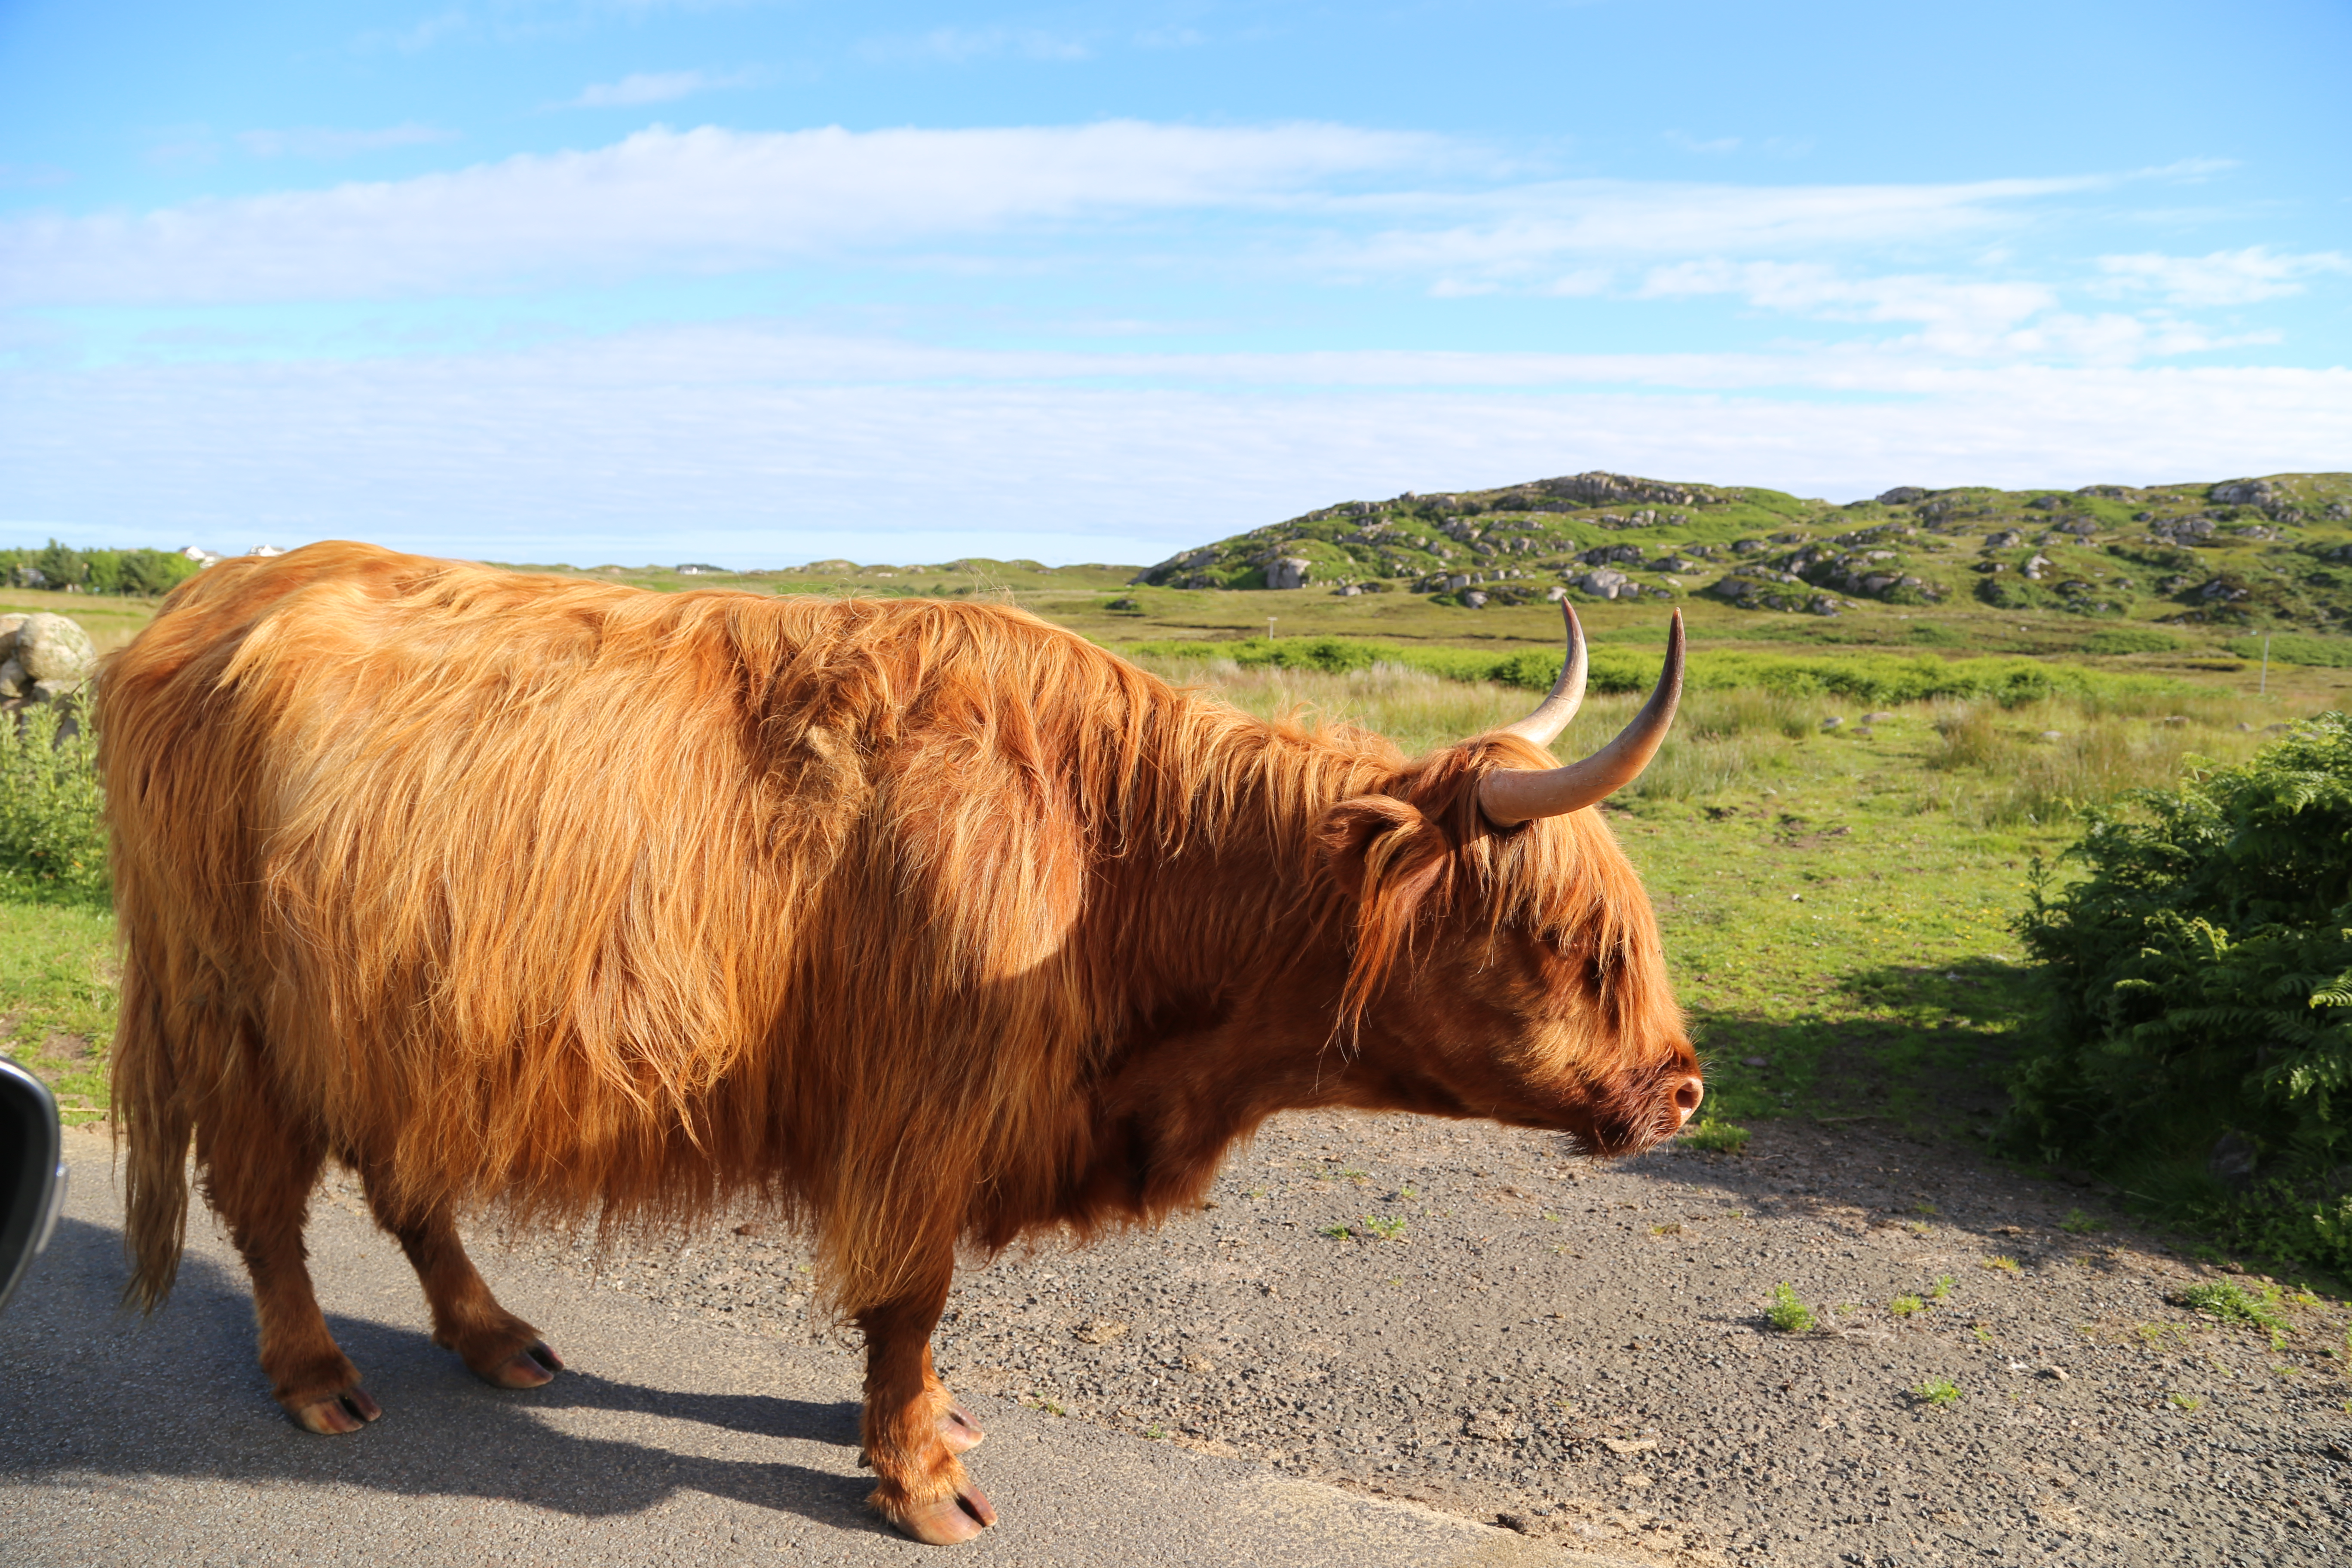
{"x": 669, "y": 1441}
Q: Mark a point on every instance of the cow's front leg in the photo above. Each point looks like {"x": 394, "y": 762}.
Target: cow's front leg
{"x": 913, "y": 1426}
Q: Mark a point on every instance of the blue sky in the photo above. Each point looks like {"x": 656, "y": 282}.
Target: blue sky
{"x": 756, "y": 283}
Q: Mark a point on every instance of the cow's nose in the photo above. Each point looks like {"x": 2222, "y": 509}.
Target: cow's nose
{"x": 1687, "y": 1094}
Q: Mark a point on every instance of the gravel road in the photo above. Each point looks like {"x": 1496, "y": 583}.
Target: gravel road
{"x": 1505, "y": 1332}
{"x": 1385, "y": 1338}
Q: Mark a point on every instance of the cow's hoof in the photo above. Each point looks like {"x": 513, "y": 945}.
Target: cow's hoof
{"x": 948, "y": 1520}
{"x": 958, "y": 1431}
{"x": 531, "y": 1367}
{"x": 345, "y": 1411}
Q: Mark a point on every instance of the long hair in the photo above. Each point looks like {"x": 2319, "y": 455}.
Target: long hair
{"x": 597, "y": 901}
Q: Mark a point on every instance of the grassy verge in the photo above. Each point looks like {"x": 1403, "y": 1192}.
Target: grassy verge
{"x": 58, "y": 982}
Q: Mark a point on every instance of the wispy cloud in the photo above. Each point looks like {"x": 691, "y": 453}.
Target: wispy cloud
{"x": 322, "y": 142}
{"x": 697, "y": 201}
{"x": 1690, "y": 144}
{"x": 641, "y": 88}
{"x": 2222, "y": 278}
{"x": 1961, "y": 308}
{"x": 736, "y": 438}
{"x": 960, "y": 46}
{"x": 1525, "y": 232}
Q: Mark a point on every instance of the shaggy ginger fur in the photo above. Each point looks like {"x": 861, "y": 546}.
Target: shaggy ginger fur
{"x": 929, "y": 923}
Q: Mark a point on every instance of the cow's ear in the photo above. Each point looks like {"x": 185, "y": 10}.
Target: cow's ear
{"x": 1360, "y": 838}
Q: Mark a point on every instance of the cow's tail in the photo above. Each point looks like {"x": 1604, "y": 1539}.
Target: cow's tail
{"x": 155, "y": 1114}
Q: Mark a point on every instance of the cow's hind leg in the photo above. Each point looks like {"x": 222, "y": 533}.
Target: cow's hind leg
{"x": 258, "y": 1173}
{"x": 500, "y": 1348}
{"x": 914, "y": 1429}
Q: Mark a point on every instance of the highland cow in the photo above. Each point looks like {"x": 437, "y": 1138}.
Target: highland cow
{"x": 929, "y": 925}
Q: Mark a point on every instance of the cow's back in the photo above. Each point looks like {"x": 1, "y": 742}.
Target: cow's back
{"x": 574, "y": 893}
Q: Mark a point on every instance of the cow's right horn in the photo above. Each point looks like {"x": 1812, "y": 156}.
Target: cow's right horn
{"x": 1513, "y": 795}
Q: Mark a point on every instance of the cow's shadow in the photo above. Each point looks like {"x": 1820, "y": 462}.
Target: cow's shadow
{"x": 92, "y": 1389}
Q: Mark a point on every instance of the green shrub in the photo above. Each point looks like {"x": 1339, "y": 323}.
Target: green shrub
{"x": 52, "y": 840}
{"x": 2198, "y": 982}
{"x": 2327, "y": 653}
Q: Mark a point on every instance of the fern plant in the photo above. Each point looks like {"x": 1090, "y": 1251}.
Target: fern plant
{"x": 2197, "y": 982}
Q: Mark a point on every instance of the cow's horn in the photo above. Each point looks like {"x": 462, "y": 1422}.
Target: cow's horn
{"x": 1511, "y": 795}
{"x": 1551, "y": 715}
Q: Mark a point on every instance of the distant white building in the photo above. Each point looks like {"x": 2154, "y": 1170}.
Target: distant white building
{"x": 266, "y": 549}
{"x": 200, "y": 555}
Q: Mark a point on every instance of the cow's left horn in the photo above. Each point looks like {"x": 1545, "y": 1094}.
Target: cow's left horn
{"x": 1512, "y": 796}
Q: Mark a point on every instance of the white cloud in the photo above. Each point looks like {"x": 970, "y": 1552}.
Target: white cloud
{"x": 2222, "y": 278}
{"x": 712, "y": 200}
{"x": 319, "y": 141}
{"x": 1958, "y": 316}
{"x": 754, "y": 448}
{"x": 702, "y": 200}
{"x": 1523, "y": 231}
{"x": 956, "y": 46}
{"x": 641, "y": 88}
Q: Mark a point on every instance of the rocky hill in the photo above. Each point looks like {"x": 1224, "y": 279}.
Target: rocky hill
{"x": 2276, "y": 550}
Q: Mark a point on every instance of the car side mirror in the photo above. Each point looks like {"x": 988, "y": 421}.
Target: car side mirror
{"x": 32, "y": 1173}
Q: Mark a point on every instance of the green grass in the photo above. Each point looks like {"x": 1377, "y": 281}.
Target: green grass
{"x": 2327, "y": 653}
{"x": 1873, "y": 679}
{"x": 1938, "y": 1391}
{"x": 58, "y": 996}
{"x": 1388, "y": 1227}
{"x": 1715, "y": 1137}
{"x": 2231, "y": 1302}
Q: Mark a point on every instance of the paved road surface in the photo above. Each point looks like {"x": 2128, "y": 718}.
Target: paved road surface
{"x": 126, "y": 1441}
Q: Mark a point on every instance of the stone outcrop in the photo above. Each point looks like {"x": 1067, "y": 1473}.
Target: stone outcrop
{"x": 1866, "y": 574}
{"x": 1286, "y": 572}
{"x": 43, "y": 657}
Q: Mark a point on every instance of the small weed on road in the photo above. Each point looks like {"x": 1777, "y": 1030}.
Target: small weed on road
{"x": 1787, "y": 1313}
{"x": 1937, "y": 1391}
{"x": 2233, "y": 1303}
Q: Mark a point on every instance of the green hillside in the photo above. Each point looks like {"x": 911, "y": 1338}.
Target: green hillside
{"x": 2185, "y": 581}
{"x": 2240, "y": 554}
